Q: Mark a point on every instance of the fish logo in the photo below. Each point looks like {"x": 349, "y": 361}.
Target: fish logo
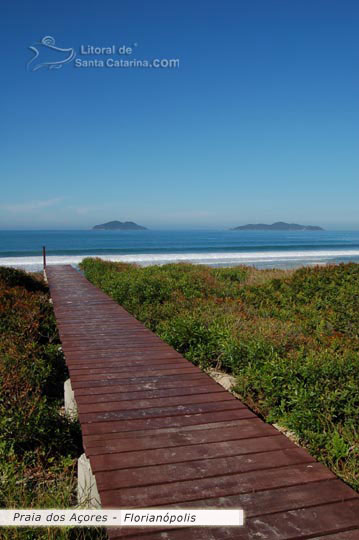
{"x": 46, "y": 48}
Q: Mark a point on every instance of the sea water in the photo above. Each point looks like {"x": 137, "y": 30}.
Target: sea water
{"x": 263, "y": 249}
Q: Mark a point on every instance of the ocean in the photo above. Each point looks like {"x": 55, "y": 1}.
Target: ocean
{"x": 263, "y": 249}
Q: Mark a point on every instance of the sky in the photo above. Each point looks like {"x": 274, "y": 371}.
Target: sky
{"x": 259, "y": 122}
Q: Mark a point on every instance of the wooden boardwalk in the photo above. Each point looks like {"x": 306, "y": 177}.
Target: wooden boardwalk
{"x": 159, "y": 432}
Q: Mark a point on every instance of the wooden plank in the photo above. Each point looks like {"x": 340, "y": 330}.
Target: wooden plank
{"x": 243, "y": 429}
{"x": 119, "y": 374}
{"x": 121, "y": 363}
{"x": 292, "y": 525}
{"x": 98, "y": 429}
{"x": 134, "y": 354}
{"x": 347, "y": 535}
{"x": 263, "y": 502}
{"x": 160, "y": 412}
{"x": 213, "y": 487}
{"x": 287, "y": 498}
{"x": 132, "y": 386}
{"x": 180, "y": 454}
{"x": 149, "y": 394}
{"x": 165, "y": 431}
{"x": 161, "y": 381}
{"x": 115, "y": 406}
{"x": 155, "y": 474}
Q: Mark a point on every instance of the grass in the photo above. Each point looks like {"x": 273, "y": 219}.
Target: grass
{"x": 39, "y": 446}
{"x": 290, "y": 337}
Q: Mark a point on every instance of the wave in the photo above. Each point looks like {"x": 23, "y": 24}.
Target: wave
{"x": 258, "y": 258}
{"x": 197, "y": 250}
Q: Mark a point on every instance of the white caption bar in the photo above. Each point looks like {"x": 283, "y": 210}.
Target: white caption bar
{"x": 122, "y": 518}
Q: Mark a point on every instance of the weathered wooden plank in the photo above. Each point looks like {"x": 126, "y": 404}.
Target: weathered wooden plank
{"x": 181, "y": 454}
{"x": 161, "y": 381}
{"x": 155, "y": 474}
{"x": 120, "y": 374}
{"x": 292, "y": 525}
{"x": 213, "y": 487}
{"x": 98, "y": 429}
{"x": 263, "y": 502}
{"x": 159, "y": 412}
{"x": 165, "y": 431}
{"x": 137, "y": 396}
{"x": 138, "y": 385}
{"x": 116, "y": 406}
{"x": 242, "y": 429}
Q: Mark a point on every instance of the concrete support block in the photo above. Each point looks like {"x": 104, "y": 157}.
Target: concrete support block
{"x": 87, "y": 492}
{"x": 70, "y": 402}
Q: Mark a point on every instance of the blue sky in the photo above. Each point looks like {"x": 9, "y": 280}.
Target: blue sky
{"x": 258, "y": 123}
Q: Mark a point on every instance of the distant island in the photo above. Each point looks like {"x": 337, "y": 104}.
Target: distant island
{"x": 278, "y": 226}
{"x": 119, "y": 226}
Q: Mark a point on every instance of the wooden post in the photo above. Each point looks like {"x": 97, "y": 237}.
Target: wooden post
{"x": 44, "y": 256}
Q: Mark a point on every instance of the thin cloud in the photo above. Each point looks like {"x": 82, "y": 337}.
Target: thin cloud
{"x": 31, "y": 205}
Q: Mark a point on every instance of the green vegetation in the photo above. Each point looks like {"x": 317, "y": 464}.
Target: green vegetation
{"x": 290, "y": 337}
{"x": 38, "y": 445}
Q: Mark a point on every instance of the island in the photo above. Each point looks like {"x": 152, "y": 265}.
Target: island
{"x": 119, "y": 226}
{"x": 278, "y": 226}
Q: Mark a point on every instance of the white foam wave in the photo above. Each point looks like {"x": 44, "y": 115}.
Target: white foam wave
{"x": 145, "y": 259}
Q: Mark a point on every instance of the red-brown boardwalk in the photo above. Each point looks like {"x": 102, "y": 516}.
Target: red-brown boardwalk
{"x": 159, "y": 432}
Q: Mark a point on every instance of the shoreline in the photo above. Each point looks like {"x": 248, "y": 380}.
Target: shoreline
{"x": 260, "y": 259}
